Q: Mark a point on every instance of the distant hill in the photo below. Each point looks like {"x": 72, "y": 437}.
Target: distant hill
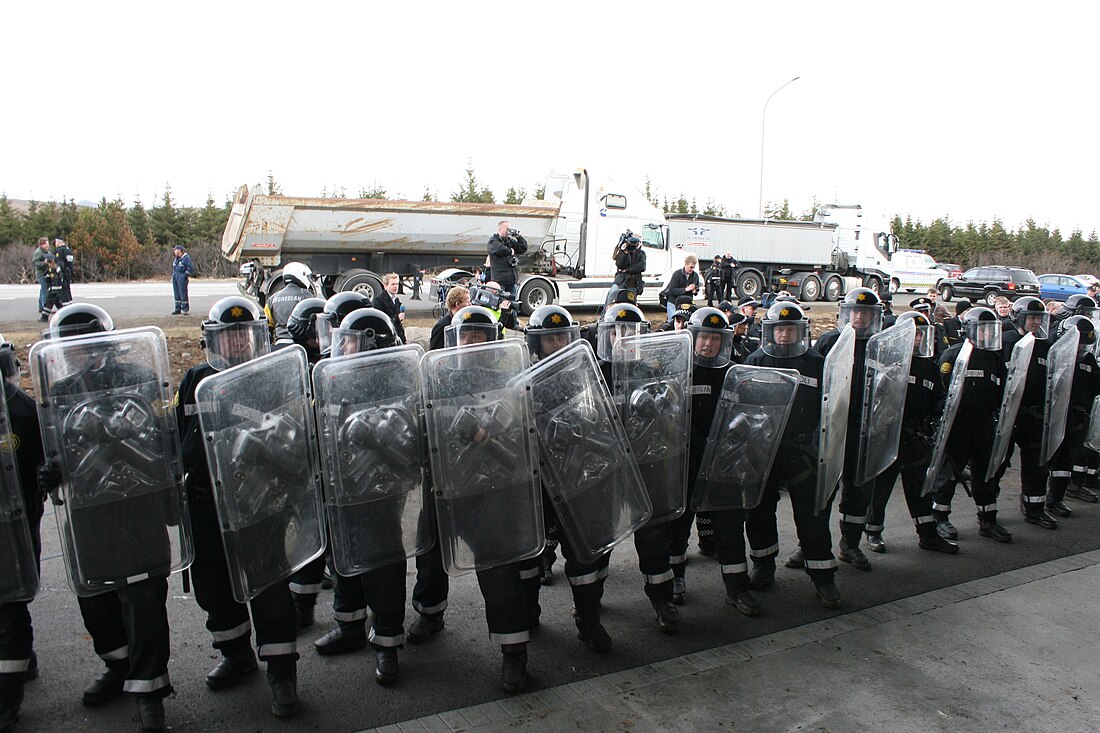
{"x": 23, "y": 206}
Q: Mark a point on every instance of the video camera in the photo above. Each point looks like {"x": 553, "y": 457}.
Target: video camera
{"x": 486, "y": 297}
{"x": 629, "y": 239}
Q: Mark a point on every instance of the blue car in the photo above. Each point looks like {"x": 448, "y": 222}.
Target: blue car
{"x": 1061, "y": 287}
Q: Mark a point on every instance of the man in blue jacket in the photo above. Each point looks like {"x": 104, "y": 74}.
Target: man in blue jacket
{"x": 182, "y": 270}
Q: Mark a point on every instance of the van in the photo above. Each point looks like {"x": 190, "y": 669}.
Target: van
{"x": 914, "y": 271}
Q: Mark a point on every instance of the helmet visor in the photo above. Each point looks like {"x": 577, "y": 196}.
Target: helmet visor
{"x": 985, "y": 335}
{"x": 1034, "y": 322}
{"x": 711, "y": 347}
{"x": 785, "y": 339}
{"x": 865, "y": 319}
{"x": 323, "y": 325}
{"x": 542, "y": 342}
{"x": 346, "y": 341}
{"x": 232, "y": 344}
{"x": 924, "y": 342}
{"x": 608, "y": 336}
{"x": 469, "y": 334}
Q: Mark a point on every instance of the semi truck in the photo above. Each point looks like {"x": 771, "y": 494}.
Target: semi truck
{"x": 350, "y": 243}
{"x": 820, "y": 259}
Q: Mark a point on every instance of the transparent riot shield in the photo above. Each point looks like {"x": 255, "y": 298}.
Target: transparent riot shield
{"x": 744, "y": 437}
{"x": 262, "y": 453}
{"x": 1010, "y": 404}
{"x": 1092, "y": 438}
{"x": 104, "y": 402}
{"x": 652, "y": 388}
{"x": 836, "y": 395}
{"x": 950, "y": 410}
{"x": 588, "y": 468}
{"x": 889, "y": 356}
{"x": 373, "y": 455}
{"x": 484, "y": 465}
{"x": 1061, "y": 362}
{"x": 19, "y": 581}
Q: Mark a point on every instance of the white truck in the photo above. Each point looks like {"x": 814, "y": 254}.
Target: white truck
{"x": 351, "y": 243}
{"x": 822, "y": 259}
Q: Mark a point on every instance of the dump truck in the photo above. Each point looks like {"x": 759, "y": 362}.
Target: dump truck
{"x": 351, "y": 243}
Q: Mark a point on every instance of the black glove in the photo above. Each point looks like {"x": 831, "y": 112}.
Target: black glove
{"x": 49, "y": 481}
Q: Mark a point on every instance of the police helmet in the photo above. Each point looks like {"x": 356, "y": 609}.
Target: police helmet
{"x": 362, "y": 330}
{"x": 234, "y": 332}
{"x": 549, "y": 329}
{"x": 712, "y": 337}
{"x": 1080, "y": 305}
{"x": 922, "y": 304}
{"x": 619, "y": 320}
{"x": 299, "y": 274}
{"x": 336, "y": 308}
{"x": 862, "y": 308}
{"x": 471, "y": 325}
{"x": 1085, "y": 327}
{"x": 79, "y": 319}
{"x": 302, "y": 320}
{"x": 1029, "y": 314}
{"x": 924, "y": 344}
{"x": 9, "y": 360}
{"x": 785, "y": 331}
{"x": 983, "y": 327}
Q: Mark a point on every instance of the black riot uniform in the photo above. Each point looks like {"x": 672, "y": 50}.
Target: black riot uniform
{"x": 795, "y": 460}
{"x": 1081, "y": 305}
{"x": 382, "y": 589}
{"x": 17, "y": 658}
{"x": 971, "y": 440}
{"x": 1069, "y": 464}
{"x": 281, "y": 304}
{"x": 940, "y": 340}
{"x": 128, "y": 626}
{"x": 550, "y": 329}
{"x": 227, "y": 619}
{"x": 1029, "y": 315}
{"x": 923, "y": 403}
{"x": 651, "y": 541}
{"x": 862, "y": 309}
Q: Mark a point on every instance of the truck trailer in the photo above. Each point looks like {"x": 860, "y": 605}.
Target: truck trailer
{"x": 350, "y": 243}
{"x": 820, "y": 259}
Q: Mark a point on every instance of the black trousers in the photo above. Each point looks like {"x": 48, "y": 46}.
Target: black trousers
{"x": 16, "y": 632}
{"x": 797, "y": 468}
{"x": 729, "y": 537}
{"x": 228, "y": 620}
{"x": 129, "y": 630}
{"x": 855, "y": 500}
{"x": 1070, "y": 462}
{"x": 970, "y": 444}
{"x": 911, "y": 464}
{"x": 383, "y": 591}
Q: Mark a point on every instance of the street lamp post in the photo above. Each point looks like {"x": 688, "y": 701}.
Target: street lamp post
{"x": 763, "y": 117}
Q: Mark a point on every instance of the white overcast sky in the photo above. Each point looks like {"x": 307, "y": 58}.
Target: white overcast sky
{"x": 971, "y": 110}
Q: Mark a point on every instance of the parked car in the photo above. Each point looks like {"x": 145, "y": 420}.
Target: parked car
{"x": 950, "y": 268}
{"x": 989, "y": 282}
{"x": 1090, "y": 279}
{"x": 1061, "y": 287}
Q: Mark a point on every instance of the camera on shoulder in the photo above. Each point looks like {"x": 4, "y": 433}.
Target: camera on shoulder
{"x": 485, "y": 297}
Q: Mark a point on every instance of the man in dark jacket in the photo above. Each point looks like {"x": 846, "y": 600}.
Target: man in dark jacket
{"x": 629, "y": 266}
{"x": 388, "y": 302}
{"x": 458, "y": 298}
{"x": 65, "y": 258}
{"x": 504, "y": 247}
{"x": 683, "y": 282}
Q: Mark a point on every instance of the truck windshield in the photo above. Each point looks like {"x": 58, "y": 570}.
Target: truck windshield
{"x": 653, "y": 238}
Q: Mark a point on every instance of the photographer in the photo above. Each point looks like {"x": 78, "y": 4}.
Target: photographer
{"x": 504, "y": 249}
{"x": 629, "y": 266}
{"x": 492, "y": 296}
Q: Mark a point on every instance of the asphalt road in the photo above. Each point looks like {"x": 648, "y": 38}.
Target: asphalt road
{"x": 459, "y": 667}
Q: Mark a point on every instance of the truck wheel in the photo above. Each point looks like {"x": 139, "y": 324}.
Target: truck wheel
{"x": 945, "y": 292}
{"x": 750, "y": 285}
{"x": 364, "y": 284}
{"x": 895, "y": 286}
{"x": 534, "y": 295}
{"x": 833, "y": 288}
{"x": 811, "y": 289}
{"x": 874, "y": 285}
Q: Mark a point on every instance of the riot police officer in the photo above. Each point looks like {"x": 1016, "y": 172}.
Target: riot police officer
{"x": 297, "y": 280}
{"x": 128, "y": 626}
{"x": 651, "y": 541}
{"x": 1069, "y": 464}
{"x": 970, "y": 442}
{"x": 382, "y": 589}
{"x": 336, "y": 308}
{"x": 18, "y": 662}
{"x": 785, "y": 344}
{"x": 1081, "y": 305}
{"x": 235, "y": 332}
{"x": 549, "y": 330}
{"x": 923, "y": 397}
{"x": 862, "y": 309}
{"x": 927, "y": 307}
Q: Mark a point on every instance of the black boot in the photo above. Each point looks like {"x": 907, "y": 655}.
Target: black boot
{"x": 341, "y": 640}
{"x": 230, "y": 669}
{"x": 827, "y": 592}
{"x": 425, "y": 626}
{"x": 930, "y": 540}
{"x": 668, "y": 616}
{"x": 385, "y": 665}
{"x": 738, "y": 594}
{"x": 851, "y": 554}
{"x": 513, "y": 668}
{"x": 1057, "y": 508}
{"x": 593, "y": 634}
{"x": 762, "y": 573}
{"x": 151, "y": 713}
{"x": 284, "y": 693}
{"x": 108, "y": 685}
{"x": 1035, "y": 514}
{"x": 988, "y": 527}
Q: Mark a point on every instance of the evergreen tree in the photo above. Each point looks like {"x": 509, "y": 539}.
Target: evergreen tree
{"x": 428, "y": 195}
{"x": 273, "y": 188}
{"x": 138, "y": 220}
{"x": 11, "y": 223}
{"x": 209, "y": 222}
{"x": 165, "y": 221}
{"x": 472, "y": 191}
{"x": 375, "y": 191}
{"x": 540, "y": 193}
{"x": 514, "y": 195}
